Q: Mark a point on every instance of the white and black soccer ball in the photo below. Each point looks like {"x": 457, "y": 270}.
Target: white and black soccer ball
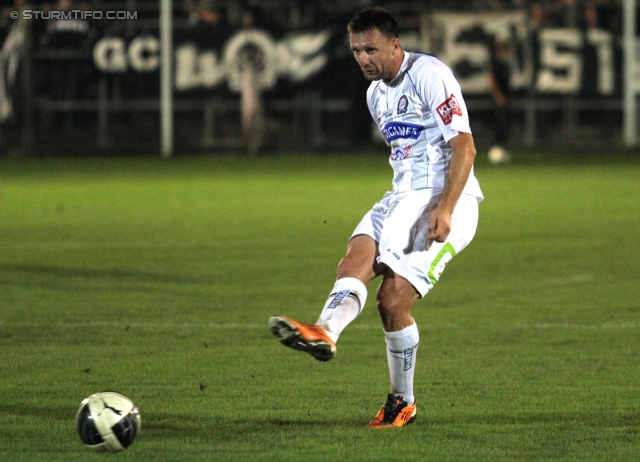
{"x": 108, "y": 422}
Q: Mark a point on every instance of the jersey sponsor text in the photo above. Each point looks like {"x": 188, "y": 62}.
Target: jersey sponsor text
{"x": 401, "y": 130}
{"x": 448, "y": 109}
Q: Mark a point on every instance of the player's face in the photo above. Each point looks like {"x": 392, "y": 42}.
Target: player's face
{"x": 379, "y": 56}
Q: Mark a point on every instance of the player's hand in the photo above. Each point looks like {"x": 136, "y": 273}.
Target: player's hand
{"x": 439, "y": 226}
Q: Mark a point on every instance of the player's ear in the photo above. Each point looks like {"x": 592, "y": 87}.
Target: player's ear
{"x": 396, "y": 44}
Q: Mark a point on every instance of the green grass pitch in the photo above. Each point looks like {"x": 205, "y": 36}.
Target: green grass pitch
{"x": 156, "y": 279}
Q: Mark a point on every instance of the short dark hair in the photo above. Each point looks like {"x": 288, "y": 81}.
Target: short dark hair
{"x": 372, "y": 19}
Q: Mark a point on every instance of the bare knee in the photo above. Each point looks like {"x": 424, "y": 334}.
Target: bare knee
{"x": 395, "y": 299}
{"x": 360, "y": 261}
{"x": 386, "y": 311}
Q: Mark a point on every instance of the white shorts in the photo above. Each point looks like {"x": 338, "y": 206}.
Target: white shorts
{"x": 399, "y": 222}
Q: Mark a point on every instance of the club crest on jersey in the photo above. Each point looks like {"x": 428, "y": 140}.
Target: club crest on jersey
{"x": 401, "y": 130}
{"x": 400, "y": 154}
{"x": 448, "y": 109}
{"x": 403, "y": 104}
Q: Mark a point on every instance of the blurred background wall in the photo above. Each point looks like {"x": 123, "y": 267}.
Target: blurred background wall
{"x": 82, "y": 77}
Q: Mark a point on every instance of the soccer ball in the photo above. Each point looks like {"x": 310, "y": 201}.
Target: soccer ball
{"x": 108, "y": 422}
{"x": 499, "y": 155}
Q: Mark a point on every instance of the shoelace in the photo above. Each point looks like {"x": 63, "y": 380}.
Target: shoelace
{"x": 392, "y": 408}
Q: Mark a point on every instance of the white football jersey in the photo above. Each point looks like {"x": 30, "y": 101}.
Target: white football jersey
{"x": 418, "y": 112}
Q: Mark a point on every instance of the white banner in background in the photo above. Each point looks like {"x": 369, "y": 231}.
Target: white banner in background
{"x": 569, "y": 61}
{"x": 297, "y": 57}
{"x": 463, "y": 41}
{"x": 562, "y": 65}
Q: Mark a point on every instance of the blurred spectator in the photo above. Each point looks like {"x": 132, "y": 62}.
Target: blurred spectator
{"x": 70, "y": 72}
{"x": 206, "y": 24}
{"x": 240, "y": 15}
{"x": 499, "y": 81}
{"x": 590, "y": 17}
{"x": 251, "y": 105}
{"x": 201, "y": 12}
{"x": 72, "y": 32}
{"x": 537, "y": 16}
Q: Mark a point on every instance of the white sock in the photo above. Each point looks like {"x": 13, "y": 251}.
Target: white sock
{"x": 345, "y": 303}
{"x": 402, "y": 347}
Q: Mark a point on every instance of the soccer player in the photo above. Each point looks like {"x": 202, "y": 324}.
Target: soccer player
{"x": 429, "y": 216}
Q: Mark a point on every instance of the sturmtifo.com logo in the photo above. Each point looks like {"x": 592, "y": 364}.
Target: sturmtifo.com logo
{"x": 73, "y": 14}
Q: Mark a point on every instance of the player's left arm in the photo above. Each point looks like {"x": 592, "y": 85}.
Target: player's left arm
{"x": 462, "y": 158}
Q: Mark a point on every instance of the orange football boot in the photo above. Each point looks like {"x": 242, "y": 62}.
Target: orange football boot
{"x": 304, "y": 337}
{"x": 395, "y": 413}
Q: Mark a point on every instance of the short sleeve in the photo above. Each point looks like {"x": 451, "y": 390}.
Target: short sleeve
{"x": 442, "y": 95}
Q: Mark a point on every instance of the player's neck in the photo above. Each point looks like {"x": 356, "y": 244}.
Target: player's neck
{"x": 398, "y": 65}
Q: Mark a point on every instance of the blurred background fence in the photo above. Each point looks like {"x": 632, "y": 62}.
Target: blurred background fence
{"x": 84, "y": 77}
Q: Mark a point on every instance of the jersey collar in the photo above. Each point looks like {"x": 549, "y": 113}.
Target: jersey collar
{"x": 403, "y": 67}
